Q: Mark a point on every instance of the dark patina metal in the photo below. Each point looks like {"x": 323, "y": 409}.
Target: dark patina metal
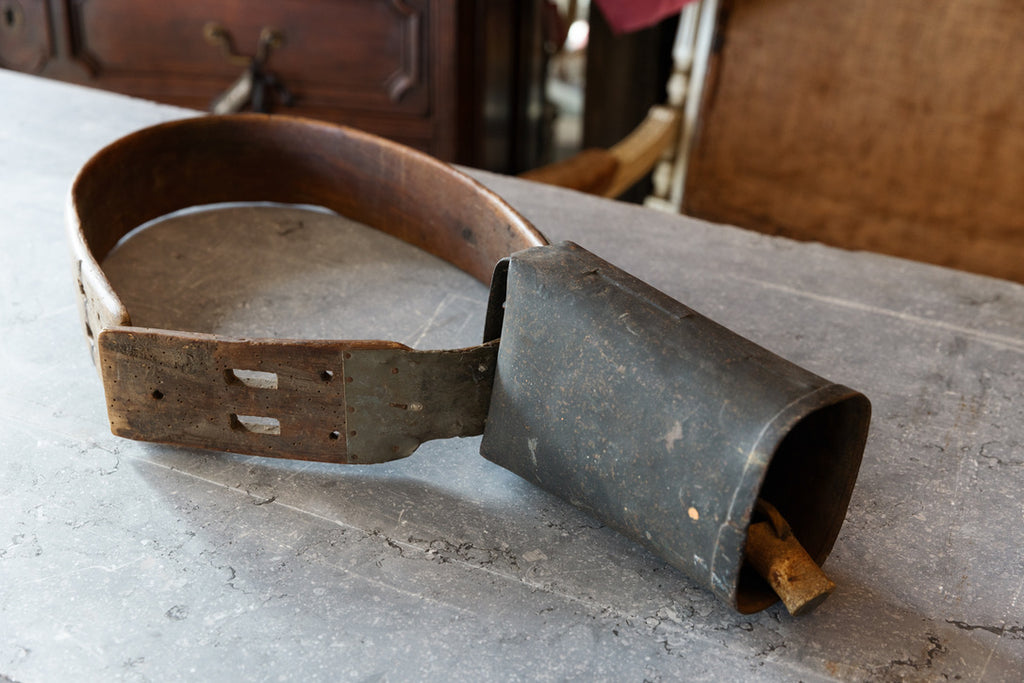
{"x": 661, "y": 423}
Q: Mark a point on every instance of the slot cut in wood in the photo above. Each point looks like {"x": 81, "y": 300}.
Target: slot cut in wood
{"x": 257, "y": 424}
{"x": 257, "y": 379}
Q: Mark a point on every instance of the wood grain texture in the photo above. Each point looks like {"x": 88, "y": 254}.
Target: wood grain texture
{"x": 332, "y": 401}
{"x": 433, "y": 74}
{"x": 186, "y": 388}
{"x": 210, "y": 160}
{"x": 359, "y": 55}
{"x": 890, "y": 127}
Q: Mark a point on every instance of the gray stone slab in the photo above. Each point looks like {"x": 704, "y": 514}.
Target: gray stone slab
{"x": 127, "y": 561}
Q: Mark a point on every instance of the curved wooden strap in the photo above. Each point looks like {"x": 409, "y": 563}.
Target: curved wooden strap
{"x": 211, "y": 160}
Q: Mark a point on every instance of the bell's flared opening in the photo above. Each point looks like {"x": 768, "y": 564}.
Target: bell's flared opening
{"x": 810, "y": 480}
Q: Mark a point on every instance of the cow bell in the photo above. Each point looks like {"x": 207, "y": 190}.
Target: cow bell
{"x": 668, "y": 427}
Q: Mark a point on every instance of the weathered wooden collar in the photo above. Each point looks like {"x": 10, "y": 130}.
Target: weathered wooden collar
{"x": 335, "y": 401}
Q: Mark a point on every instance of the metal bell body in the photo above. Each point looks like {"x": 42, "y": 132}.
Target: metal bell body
{"x": 661, "y": 423}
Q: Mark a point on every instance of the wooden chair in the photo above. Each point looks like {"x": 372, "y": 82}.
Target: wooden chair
{"x": 662, "y": 140}
{"x": 895, "y": 127}
{"x": 866, "y": 124}
{"x": 610, "y": 172}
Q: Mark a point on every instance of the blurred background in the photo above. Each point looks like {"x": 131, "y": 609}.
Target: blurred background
{"x": 864, "y": 124}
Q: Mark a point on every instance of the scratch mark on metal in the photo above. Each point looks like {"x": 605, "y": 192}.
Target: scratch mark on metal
{"x": 673, "y": 436}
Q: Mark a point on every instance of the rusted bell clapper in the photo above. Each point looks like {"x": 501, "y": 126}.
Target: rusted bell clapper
{"x": 733, "y": 464}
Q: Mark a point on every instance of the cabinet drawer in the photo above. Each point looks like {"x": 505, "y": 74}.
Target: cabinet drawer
{"x": 459, "y": 79}
{"x": 359, "y": 54}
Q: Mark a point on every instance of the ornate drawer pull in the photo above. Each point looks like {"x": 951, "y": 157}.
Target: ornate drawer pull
{"x": 256, "y": 85}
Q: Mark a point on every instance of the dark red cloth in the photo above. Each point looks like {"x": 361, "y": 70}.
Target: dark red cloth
{"x": 630, "y": 15}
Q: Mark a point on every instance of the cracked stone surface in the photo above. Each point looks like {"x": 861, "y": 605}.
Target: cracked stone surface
{"x": 129, "y": 561}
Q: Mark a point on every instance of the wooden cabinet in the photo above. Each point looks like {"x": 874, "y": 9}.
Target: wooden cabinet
{"x": 452, "y": 78}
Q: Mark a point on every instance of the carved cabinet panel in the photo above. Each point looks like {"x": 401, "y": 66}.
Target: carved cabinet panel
{"x": 362, "y": 55}
{"x": 24, "y": 35}
{"x": 416, "y": 71}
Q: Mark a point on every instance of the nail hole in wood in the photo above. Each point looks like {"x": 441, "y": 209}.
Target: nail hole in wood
{"x": 157, "y": 394}
{"x": 327, "y": 375}
{"x": 335, "y": 435}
